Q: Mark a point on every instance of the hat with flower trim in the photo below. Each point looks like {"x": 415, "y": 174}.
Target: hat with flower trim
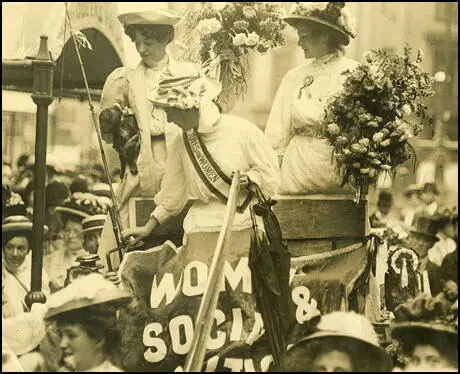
{"x": 83, "y": 205}
{"x": 334, "y": 15}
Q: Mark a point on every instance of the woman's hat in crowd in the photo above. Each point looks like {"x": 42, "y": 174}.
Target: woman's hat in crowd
{"x": 357, "y": 330}
{"x": 15, "y": 217}
{"x": 93, "y": 223}
{"x": 331, "y": 14}
{"x": 91, "y": 290}
{"x": 429, "y": 188}
{"x": 186, "y": 92}
{"x": 83, "y": 205}
{"x": 151, "y": 17}
{"x": 411, "y": 190}
{"x": 426, "y": 316}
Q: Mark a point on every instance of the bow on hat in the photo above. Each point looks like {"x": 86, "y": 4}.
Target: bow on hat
{"x": 191, "y": 91}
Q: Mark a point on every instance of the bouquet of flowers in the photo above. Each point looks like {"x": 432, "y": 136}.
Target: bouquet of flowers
{"x": 236, "y": 28}
{"x": 368, "y": 122}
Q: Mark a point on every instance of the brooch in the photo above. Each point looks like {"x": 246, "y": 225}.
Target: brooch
{"x": 307, "y": 82}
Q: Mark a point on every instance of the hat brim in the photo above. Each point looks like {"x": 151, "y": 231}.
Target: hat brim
{"x": 110, "y": 300}
{"x": 91, "y": 229}
{"x": 71, "y": 211}
{"x": 296, "y": 20}
{"x": 148, "y": 18}
{"x": 408, "y": 330}
{"x": 378, "y": 358}
{"x": 20, "y": 227}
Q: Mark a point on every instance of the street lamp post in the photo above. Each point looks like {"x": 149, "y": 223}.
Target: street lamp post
{"x": 43, "y": 70}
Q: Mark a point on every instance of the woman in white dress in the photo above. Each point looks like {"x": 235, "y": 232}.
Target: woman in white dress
{"x": 295, "y": 124}
{"x": 85, "y": 313}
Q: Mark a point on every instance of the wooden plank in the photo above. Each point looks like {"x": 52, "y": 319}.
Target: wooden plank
{"x": 320, "y": 216}
{"x": 306, "y": 247}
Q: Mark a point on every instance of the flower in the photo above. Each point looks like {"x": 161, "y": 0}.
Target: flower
{"x": 333, "y": 129}
{"x": 386, "y": 143}
{"x": 372, "y": 124}
{"x": 309, "y": 7}
{"x": 239, "y": 39}
{"x": 347, "y": 21}
{"x": 376, "y": 162}
{"x": 378, "y": 137}
{"x": 249, "y": 12}
{"x": 440, "y": 76}
{"x": 364, "y": 171}
{"x": 252, "y": 39}
{"x": 356, "y": 165}
{"x": 386, "y": 167}
{"x": 219, "y": 6}
{"x": 372, "y": 154}
{"x": 364, "y": 142}
{"x": 346, "y": 151}
{"x": 209, "y": 26}
{"x": 406, "y": 109}
{"x": 355, "y": 148}
{"x": 342, "y": 140}
{"x": 368, "y": 56}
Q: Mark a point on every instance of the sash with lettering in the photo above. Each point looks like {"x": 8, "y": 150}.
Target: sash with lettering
{"x": 210, "y": 173}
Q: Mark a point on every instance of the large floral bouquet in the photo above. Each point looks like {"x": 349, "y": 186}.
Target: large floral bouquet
{"x": 238, "y": 27}
{"x": 370, "y": 121}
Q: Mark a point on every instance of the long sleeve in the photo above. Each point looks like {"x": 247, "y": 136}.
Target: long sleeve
{"x": 115, "y": 88}
{"x": 278, "y": 127}
{"x": 172, "y": 197}
{"x": 264, "y": 170}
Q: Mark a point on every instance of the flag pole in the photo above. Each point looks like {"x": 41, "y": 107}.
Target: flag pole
{"x": 205, "y": 317}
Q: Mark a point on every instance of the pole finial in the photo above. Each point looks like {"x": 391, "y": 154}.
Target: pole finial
{"x": 43, "y": 53}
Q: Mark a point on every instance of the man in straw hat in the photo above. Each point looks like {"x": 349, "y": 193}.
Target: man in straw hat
{"x": 341, "y": 341}
{"x": 85, "y": 313}
{"x": 429, "y": 195}
{"x": 427, "y": 328}
{"x": 92, "y": 229}
{"x": 126, "y": 88}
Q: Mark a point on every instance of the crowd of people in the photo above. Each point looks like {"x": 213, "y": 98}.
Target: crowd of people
{"x": 186, "y": 149}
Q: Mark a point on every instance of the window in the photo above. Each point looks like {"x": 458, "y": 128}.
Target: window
{"x": 446, "y": 11}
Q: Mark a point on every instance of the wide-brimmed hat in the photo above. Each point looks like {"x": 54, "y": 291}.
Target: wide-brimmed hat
{"x": 83, "y": 205}
{"x": 100, "y": 189}
{"x": 331, "y": 14}
{"x": 87, "y": 291}
{"x": 151, "y": 17}
{"x": 356, "y": 330}
{"x": 21, "y": 224}
{"x": 429, "y": 188}
{"x": 93, "y": 223}
{"x": 411, "y": 190}
{"x": 426, "y": 315}
{"x": 185, "y": 92}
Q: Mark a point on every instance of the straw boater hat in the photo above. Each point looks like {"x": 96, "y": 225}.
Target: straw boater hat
{"x": 152, "y": 17}
{"x": 89, "y": 291}
{"x": 425, "y": 315}
{"x": 331, "y": 14}
{"x": 93, "y": 223}
{"x": 356, "y": 330}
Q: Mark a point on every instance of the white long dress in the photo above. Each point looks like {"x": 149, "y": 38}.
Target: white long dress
{"x": 295, "y": 124}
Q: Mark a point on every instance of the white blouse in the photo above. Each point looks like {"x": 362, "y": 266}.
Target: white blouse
{"x": 235, "y": 144}
{"x": 303, "y": 96}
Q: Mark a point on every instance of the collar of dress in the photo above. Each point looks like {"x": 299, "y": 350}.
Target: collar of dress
{"x": 326, "y": 59}
{"x": 159, "y": 65}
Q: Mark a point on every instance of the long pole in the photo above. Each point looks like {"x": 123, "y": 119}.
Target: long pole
{"x": 205, "y": 317}
{"x": 43, "y": 68}
{"x": 115, "y": 210}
